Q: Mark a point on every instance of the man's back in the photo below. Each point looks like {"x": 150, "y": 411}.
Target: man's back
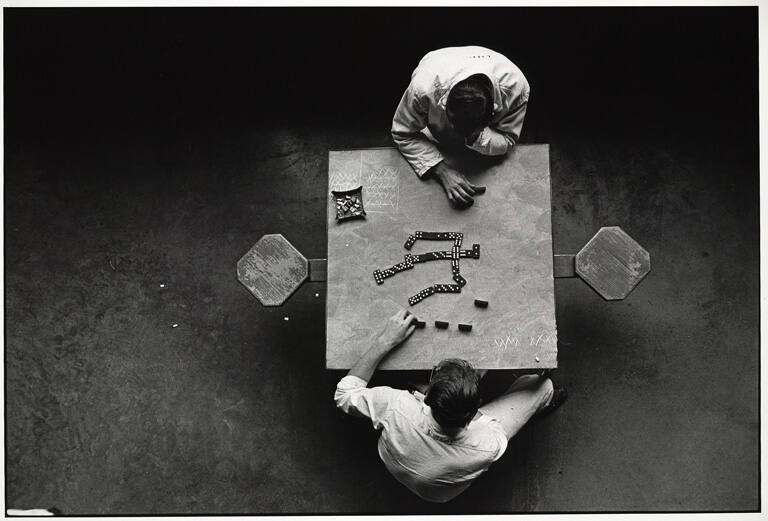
{"x": 414, "y": 448}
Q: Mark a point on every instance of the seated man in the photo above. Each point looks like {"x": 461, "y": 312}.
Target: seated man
{"x": 468, "y": 96}
{"x": 437, "y": 444}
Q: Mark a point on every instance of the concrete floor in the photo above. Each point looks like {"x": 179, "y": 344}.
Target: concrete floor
{"x": 155, "y": 147}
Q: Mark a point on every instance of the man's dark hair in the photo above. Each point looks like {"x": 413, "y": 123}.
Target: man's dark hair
{"x": 453, "y": 393}
{"x": 470, "y": 103}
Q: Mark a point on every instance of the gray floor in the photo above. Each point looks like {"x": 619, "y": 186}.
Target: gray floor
{"x": 110, "y": 409}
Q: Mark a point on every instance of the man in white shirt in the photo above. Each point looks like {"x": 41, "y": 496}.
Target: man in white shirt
{"x": 437, "y": 444}
{"x": 467, "y": 96}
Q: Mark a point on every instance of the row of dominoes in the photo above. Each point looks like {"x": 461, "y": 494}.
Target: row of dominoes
{"x": 437, "y": 236}
{"x": 381, "y": 275}
{"x": 474, "y": 253}
{"x": 432, "y": 255}
{"x": 457, "y": 237}
{"x": 421, "y": 295}
{"x": 447, "y": 288}
{"x": 439, "y": 288}
{"x": 440, "y": 324}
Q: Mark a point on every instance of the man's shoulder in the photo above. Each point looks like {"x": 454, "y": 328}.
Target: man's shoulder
{"x": 397, "y": 396}
{"x": 424, "y": 83}
{"x": 511, "y": 80}
{"x": 406, "y": 406}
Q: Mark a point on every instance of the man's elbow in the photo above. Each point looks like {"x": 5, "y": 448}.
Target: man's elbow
{"x": 494, "y": 142}
{"x": 506, "y": 144}
{"x": 395, "y": 136}
{"x": 401, "y": 138}
{"x": 496, "y": 149}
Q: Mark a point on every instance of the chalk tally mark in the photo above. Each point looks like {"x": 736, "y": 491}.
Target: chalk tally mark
{"x": 382, "y": 188}
{"x": 511, "y": 341}
{"x": 506, "y": 343}
{"x": 543, "y": 340}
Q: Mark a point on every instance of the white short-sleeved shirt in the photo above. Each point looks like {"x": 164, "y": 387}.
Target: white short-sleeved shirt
{"x": 414, "y": 448}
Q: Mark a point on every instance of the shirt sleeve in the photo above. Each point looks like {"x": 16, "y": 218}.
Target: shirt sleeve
{"x": 497, "y": 138}
{"x": 353, "y": 396}
{"x": 411, "y": 117}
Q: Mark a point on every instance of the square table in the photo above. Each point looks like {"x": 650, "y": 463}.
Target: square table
{"x": 512, "y": 224}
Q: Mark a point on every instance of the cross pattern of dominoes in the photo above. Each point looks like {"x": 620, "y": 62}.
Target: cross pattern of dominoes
{"x": 454, "y": 254}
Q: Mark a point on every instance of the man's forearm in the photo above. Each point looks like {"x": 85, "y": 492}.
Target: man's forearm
{"x": 366, "y": 366}
{"x": 396, "y": 330}
{"x": 421, "y": 153}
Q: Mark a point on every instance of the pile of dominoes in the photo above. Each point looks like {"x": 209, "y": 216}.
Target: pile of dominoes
{"x": 349, "y": 204}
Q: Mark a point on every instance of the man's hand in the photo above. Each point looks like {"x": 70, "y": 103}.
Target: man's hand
{"x": 458, "y": 190}
{"x": 397, "y": 329}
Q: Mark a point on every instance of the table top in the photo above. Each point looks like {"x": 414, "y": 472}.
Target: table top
{"x": 512, "y": 224}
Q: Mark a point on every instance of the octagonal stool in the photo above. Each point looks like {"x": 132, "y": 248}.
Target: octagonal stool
{"x": 612, "y": 263}
{"x": 273, "y": 269}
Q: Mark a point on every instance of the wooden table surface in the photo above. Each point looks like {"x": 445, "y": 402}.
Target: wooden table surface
{"x": 512, "y": 224}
